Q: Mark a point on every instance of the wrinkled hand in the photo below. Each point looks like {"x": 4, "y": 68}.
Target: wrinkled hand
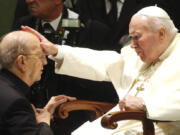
{"x": 56, "y": 101}
{"x": 48, "y": 47}
{"x": 131, "y": 103}
{"x": 42, "y": 115}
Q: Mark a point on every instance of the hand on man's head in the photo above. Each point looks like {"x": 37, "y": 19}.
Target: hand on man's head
{"x": 48, "y": 47}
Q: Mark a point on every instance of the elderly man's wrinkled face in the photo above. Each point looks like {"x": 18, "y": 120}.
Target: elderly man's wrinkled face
{"x": 144, "y": 40}
{"x": 35, "y": 60}
{"x": 41, "y": 8}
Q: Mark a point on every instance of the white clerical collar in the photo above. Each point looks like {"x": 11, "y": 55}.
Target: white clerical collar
{"x": 53, "y": 23}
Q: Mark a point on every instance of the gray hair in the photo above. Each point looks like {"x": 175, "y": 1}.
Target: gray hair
{"x": 12, "y": 45}
{"x": 158, "y": 17}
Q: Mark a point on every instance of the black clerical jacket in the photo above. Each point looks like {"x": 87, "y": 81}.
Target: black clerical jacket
{"x": 16, "y": 114}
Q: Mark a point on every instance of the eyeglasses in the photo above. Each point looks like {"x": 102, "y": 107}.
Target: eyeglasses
{"x": 41, "y": 56}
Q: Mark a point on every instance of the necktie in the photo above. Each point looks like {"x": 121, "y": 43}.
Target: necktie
{"x": 112, "y": 16}
{"x": 48, "y": 31}
{"x": 47, "y": 28}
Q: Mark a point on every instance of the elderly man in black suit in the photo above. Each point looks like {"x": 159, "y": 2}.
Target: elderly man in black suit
{"x": 22, "y": 61}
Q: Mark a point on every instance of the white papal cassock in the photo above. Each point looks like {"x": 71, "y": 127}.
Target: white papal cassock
{"x": 159, "y": 84}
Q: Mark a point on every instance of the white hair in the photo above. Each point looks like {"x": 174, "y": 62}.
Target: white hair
{"x": 159, "y": 18}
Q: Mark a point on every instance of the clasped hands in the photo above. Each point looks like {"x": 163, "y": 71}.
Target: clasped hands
{"x": 131, "y": 103}
{"x": 46, "y": 114}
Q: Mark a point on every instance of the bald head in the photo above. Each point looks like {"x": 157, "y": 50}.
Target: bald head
{"x": 21, "y": 54}
{"x": 15, "y": 43}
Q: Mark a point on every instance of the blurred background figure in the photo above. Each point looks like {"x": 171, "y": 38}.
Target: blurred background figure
{"x": 70, "y": 3}
{"x": 110, "y": 18}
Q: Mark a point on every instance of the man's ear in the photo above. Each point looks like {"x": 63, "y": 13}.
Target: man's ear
{"x": 20, "y": 62}
{"x": 162, "y": 33}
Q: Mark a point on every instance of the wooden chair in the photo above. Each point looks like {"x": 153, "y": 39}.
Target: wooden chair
{"x": 110, "y": 120}
{"x": 98, "y": 108}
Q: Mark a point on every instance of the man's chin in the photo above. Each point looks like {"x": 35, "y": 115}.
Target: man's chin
{"x": 143, "y": 59}
{"x": 34, "y": 13}
{"x": 38, "y": 79}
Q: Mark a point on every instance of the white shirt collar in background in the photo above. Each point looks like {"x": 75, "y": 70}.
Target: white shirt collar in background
{"x": 53, "y": 23}
{"x": 119, "y": 6}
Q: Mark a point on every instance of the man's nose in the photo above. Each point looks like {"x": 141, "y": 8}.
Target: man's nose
{"x": 133, "y": 43}
{"x": 29, "y": 1}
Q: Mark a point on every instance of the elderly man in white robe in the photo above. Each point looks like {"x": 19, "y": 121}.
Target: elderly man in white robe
{"x": 146, "y": 73}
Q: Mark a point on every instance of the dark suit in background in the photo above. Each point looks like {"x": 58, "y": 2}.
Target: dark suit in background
{"x": 93, "y": 13}
{"x": 16, "y": 114}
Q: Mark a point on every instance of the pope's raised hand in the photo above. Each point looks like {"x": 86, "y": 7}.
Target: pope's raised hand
{"x": 48, "y": 47}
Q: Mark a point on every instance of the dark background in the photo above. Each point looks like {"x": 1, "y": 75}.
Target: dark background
{"x": 7, "y": 8}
